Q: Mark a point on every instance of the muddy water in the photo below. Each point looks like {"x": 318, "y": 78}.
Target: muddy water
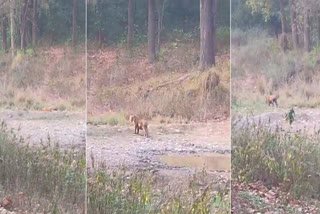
{"x": 210, "y": 161}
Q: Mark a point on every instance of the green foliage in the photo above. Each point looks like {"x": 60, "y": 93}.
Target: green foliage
{"x": 55, "y": 180}
{"x": 179, "y": 15}
{"x": 290, "y": 161}
{"x": 125, "y": 191}
{"x": 55, "y": 21}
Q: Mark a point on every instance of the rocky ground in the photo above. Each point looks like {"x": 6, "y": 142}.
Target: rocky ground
{"x": 67, "y": 129}
{"x": 307, "y": 121}
{"x": 172, "y": 150}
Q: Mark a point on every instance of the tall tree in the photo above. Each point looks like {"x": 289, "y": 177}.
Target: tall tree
{"x": 160, "y": 9}
{"x": 293, "y": 20}
{"x": 24, "y": 13}
{"x": 4, "y": 27}
{"x": 130, "y": 24}
{"x": 207, "y": 33}
{"x": 151, "y": 31}
{"x": 283, "y": 37}
{"x": 34, "y": 23}
{"x": 306, "y": 29}
{"x": 74, "y": 22}
{"x": 318, "y": 25}
{"x": 12, "y": 26}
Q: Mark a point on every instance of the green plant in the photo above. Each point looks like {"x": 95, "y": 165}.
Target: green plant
{"x": 48, "y": 176}
{"x": 290, "y": 161}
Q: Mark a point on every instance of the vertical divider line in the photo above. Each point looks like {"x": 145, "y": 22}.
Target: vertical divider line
{"x": 86, "y": 109}
{"x": 230, "y": 102}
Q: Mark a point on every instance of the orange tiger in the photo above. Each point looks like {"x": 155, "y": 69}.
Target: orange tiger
{"x": 139, "y": 124}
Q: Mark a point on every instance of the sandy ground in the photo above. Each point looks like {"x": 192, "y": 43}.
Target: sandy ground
{"x": 307, "y": 121}
{"x": 67, "y": 129}
{"x": 188, "y": 148}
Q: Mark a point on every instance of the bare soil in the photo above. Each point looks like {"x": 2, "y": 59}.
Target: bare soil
{"x": 67, "y": 129}
{"x": 307, "y": 121}
{"x": 118, "y": 146}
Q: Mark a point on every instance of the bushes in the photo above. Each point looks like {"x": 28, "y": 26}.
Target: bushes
{"x": 53, "y": 179}
{"x": 126, "y": 191}
{"x": 51, "y": 77}
{"x": 277, "y": 159}
{"x": 257, "y": 58}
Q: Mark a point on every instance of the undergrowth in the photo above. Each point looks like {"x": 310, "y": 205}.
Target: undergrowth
{"x": 259, "y": 68}
{"x": 50, "y": 180}
{"x": 290, "y": 161}
{"x": 125, "y": 191}
{"x": 41, "y": 78}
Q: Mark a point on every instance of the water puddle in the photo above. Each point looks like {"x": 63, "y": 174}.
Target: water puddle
{"x": 210, "y": 161}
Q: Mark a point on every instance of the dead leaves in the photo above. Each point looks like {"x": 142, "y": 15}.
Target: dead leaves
{"x": 256, "y": 198}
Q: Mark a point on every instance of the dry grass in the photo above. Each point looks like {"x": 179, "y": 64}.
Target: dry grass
{"x": 260, "y": 68}
{"x": 134, "y": 191}
{"x": 52, "y": 76}
{"x": 171, "y": 88}
{"x": 40, "y": 180}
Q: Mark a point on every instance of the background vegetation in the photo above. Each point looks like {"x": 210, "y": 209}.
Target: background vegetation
{"x": 267, "y": 58}
{"x": 42, "y": 59}
{"x": 172, "y": 86}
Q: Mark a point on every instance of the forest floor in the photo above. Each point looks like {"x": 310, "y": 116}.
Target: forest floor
{"x": 172, "y": 151}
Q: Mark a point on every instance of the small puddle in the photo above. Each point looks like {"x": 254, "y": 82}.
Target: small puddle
{"x": 210, "y": 161}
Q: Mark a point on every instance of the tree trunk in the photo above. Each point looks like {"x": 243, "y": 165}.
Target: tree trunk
{"x": 151, "y": 31}
{"x": 294, "y": 30}
{"x": 318, "y": 26}
{"x": 283, "y": 37}
{"x": 282, "y": 16}
{"x": 34, "y": 23}
{"x": 12, "y": 6}
{"x": 130, "y": 24}
{"x": 4, "y": 33}
{"x": 160, "y": 9}
{"x": 23, "y": 24}
{"x": 207, "y": 33}
{"x": 306, "y": 34}
{"x": 74, "y": 22}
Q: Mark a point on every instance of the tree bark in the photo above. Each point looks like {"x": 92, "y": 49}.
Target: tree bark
{"x": 306, "y": 34}
{"x": 34, "y": 23}
{"x": 294, "y": 30}
{"x": 130, "y": 24}
{"x": 160, "y": 9}
{"x": 318, "y": 26}
{"x": 207, "y": 33}
{"x": 4, "y": 33}
{"x": 74, "y": 22}
{"x": 282, "y": 17}
{"x": 151, "y": 31}
{"x": 23, "y": 24}
{"x": 12, "y": 6}
{"x": 283, "y": 37}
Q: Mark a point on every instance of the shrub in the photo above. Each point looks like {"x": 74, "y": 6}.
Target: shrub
{"x": 290, "y": 161}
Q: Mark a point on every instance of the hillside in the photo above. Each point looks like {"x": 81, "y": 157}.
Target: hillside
{"x": 172, "y": 88}
{"x": 46, "y": 76}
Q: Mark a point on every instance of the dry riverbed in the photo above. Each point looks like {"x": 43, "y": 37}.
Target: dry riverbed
{"x": 173, "y": 150}
{"x": 67, "y": 129}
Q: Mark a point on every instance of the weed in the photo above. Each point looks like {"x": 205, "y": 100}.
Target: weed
{"x": 47, "y": 176}
{"x": 290, "y": 161}
{"x": 125, "y": 191}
